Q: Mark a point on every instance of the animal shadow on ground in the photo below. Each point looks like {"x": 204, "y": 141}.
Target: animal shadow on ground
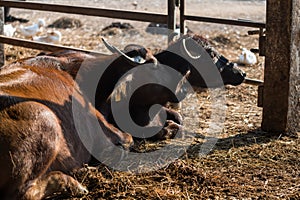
{"x": 252, "y": 137}
{"x": 255, "y": 136}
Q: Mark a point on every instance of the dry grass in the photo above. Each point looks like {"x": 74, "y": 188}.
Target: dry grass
{"x": 247, "y": 166}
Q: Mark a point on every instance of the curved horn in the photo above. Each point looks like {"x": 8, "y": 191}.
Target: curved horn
{"x": 118, "y": 51}
{"x": 182, "y": 82}
{"x": 109, "y": 46}
{"x": 187, "y": 51}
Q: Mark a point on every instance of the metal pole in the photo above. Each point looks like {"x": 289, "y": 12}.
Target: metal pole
{"x": 171, "y": 18}
{"x": 2, "y": 53}
{"x": 182, "y": 16}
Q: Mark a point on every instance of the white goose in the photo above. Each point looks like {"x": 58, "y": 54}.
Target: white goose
{"x": 9, "y": 30}
{"x": 51, "y": 37}
{"x": 30, "y": 31}
{"x": 247, "y": 57}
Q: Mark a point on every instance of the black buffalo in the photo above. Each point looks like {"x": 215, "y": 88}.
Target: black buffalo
{"x": 208, "y": 67}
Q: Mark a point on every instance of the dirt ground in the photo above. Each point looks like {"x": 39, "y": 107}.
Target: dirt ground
{"x": 245, "y": 163}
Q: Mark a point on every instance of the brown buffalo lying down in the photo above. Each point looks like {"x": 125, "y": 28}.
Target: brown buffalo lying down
{"x": 38, "y": 138}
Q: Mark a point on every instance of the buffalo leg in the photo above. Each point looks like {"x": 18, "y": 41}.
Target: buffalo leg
{"x": 54, "y": 184}
{"x": 30, "y": 140}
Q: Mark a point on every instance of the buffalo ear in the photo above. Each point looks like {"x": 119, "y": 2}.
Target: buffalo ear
{"x": 140, "y": 54}
{"x": 131, "y": 47}
{"x": 43, "y": 53}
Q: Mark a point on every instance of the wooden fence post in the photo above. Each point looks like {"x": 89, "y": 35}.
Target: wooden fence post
{"x": 294, "y": 96}
{"x": 281, "y": 96}
{"x": 2, "y": 53}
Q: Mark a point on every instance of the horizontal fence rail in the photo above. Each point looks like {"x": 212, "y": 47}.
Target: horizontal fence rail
{"x": 40, "y": 45}
{"x": 253, "y": 81}
{"x": 89, "y": 11}
{"x": 238, "y": 22}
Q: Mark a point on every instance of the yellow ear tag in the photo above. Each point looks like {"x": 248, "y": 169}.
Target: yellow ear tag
{"x": 121, "y": 90}
{"x": 117, "y": 96}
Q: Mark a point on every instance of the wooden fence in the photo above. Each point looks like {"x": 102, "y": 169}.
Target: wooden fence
{"x": 89, "y": 11}
{"x": 169, "y": 18}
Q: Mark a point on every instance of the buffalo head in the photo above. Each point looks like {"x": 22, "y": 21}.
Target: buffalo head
{"x": 146, "y": 85}
{"x": 208, "y": 67}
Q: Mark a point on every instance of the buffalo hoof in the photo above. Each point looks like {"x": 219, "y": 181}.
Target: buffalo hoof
{"x": 170, "y": 130}
{"x": 173, "y": 115}
{"x": 171, "y": 127}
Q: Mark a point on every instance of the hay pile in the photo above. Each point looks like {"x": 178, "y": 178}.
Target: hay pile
{"x": 251, "y": 166}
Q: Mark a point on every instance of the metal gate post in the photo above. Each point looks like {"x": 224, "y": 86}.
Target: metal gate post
{"x": 171, "y": 17}
{"x": 182, "y": 16}
{"x": 2, "y": 53}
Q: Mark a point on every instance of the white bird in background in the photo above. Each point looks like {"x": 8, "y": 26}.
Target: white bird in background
{"x": 53, "y": 37}
{"x": 30, "y": 31}
{"x": 247, "y": 57}
{"x": 9, "y": 30}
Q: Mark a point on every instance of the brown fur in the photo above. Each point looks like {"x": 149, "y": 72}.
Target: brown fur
{"x": 39, "y": 145}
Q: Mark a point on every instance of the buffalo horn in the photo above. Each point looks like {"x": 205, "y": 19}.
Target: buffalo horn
{"x": 182, "y": 82}
{"x": 118, "y": 51}
{"x": 187, "y": 51}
